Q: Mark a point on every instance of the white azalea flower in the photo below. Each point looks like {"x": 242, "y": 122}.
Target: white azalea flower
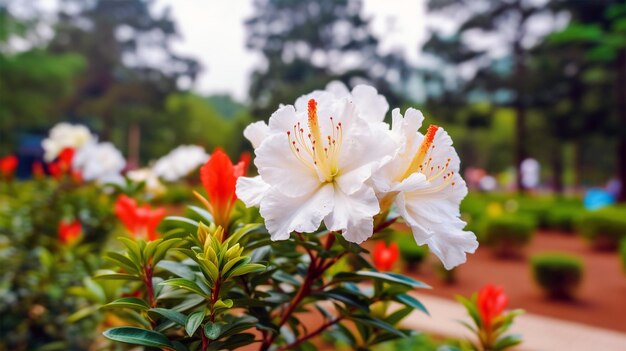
{"x": 64, "y": 135}
{"x": 314, "y": 159}
{"x": 152, "y": 183}
{"x": 99, "y": 161}
{"x": 424, "y": 182}
{"x": 180, "y": 162}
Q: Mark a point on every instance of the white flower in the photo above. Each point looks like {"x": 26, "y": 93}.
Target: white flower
{"x": 99, "y": 161}
{"x": 423, "y": 181}
{"x": 64, "y": 135}
{"x": 152, "y": 183}
{"x": 180, "y": 162}
{"x": 314, "y": 159}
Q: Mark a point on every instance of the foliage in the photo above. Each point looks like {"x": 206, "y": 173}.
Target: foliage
{"x": 492, "y": 334}
{"x": 508, "y": 234}
{"x": 40, "y": 269}
{"x": 558, "y": 274}
{"x": 604, "y": 228}
{"x": 563, "y": 216}
{"x": 216, "y": 287}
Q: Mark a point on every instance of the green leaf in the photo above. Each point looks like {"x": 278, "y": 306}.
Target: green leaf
{"x": 506, "y": 342}
{"x": 185, "y": 284}
{"x": 193, "y": 322}
{"x": 213, "y": 330}
{"x": 245, "y": 269}
{"x": 204, "y": 214}
{"x": 116, "y": 276}
{"x": 172, "y": 315}
{"x": 346, "y": 297}
{"x": 138, "y": 336}
{"x": 128, "y": 302}
{"x": 375, "y": 322}
{"x": 122, "y": 261}
{"x": 180, "y": 269}
{"x": 398, "y": 315}
{"x": 386, "y": 277}
{"x": 133, "y": 249}
{"x": 181, "y": 219}
{"x": 412, "y": 302}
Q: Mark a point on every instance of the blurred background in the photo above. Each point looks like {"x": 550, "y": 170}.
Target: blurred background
{"x": 510, "y": 80}
{"x": 533, "y": 93}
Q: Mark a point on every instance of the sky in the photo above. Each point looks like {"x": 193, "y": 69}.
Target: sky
{"x": 214, "y": 34}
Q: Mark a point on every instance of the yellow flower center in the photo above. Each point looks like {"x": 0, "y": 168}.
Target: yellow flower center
{"x": 423, "y": 162}
{"x": 316, "y": 151}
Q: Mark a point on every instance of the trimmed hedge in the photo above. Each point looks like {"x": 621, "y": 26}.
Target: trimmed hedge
{"x": 558, "y": 274}
{"x": 507, "y": 234}
{"x": 563, "y": 217}
{"x": 413, "y": 254}
{"x": 605, "y": 228}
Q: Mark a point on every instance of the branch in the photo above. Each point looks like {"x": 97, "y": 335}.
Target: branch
{"x": 317, "y": 332}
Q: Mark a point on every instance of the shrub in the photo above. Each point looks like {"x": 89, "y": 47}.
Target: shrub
{"x": 563, "y": 216}
{"x": 535, "y": 207}
{"x": 604, "y": 228}
{"x": 507, "y": 234}
{"x": 557, "y": 274}
{"x": 413, "y": 254}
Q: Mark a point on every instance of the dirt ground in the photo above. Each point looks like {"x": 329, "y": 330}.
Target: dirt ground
{"x": 600, "y": 300}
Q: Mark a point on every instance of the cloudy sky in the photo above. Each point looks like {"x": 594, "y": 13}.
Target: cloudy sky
{"x": 214, "y": 34}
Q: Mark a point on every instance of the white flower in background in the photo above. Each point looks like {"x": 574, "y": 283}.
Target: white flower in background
{"x": 64, "y": 135}
{"x": 423, "y": 181}
{"x": 314, "y": 159}
{"x": 101, "y": 162}
{"x": 152, "y": 183}
{"x": 180, "y": 162}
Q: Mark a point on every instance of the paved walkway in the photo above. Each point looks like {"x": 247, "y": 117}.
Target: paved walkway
{"x": 539, "y": 333}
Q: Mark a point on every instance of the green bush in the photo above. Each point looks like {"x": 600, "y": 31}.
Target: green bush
{"x": 536, "y": 208}
{"x": 563, "y": 216}
{"x": 557, "y": 274}
{"x": 507, "y": 234}
{"x": 413, "y": 254}
{"x": 605, "y": 228}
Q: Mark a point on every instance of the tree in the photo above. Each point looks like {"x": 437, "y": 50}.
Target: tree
{"x": 500, "y": 79}
{"x": 307, "y": 44}
{"x": 31, "y": 81}
{"x": 123, "y": 89}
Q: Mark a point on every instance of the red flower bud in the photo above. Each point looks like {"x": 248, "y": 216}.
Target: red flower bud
{"x": 491, "y": 303}
{"x": 219, "y": 178}
{"x": 69, "y": 232}
{"x": 385, "y": 257}
{"x": 140, "y": 221}
{"x": 8, "y": 164}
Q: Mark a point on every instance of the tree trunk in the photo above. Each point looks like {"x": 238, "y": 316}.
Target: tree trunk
{"x": 134, "y": 139}
{"x": 557, "y": 169}
{"x": 620, "y": 91}
{"x": 520, "y": 105}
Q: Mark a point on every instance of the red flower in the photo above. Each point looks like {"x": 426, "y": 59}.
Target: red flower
{"x": 8, "y": 164}
{"x": 69, "y": 231}
{"x": 219, "y": 178}
{"x": 491, "y": 303}
{"x": 385, "y": 257}
{"x": 37, "y": 170}
{"x": 140, "y": 221}
{"x": 63, "y": 165}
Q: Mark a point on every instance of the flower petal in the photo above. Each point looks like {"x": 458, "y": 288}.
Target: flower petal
{"x": 451, "y": 243}
{"x": 256, "y": 133}
{"x": 280, "y": 168}
{"x": 284, "y": 214}
{"x": 251, "y": 190}
{"x": 354, "y": 214}
{"x": 372, "y": 106}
